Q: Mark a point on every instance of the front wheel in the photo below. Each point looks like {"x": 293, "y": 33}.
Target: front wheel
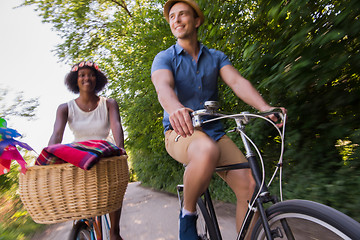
{"x": 80, "y": 231}
{"x": 302, "y": 219}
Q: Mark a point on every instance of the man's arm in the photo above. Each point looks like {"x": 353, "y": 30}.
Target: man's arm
{"x": 245, "y": 91}
{"x": 179, "y": 116}
{"x": 243, "y": 88}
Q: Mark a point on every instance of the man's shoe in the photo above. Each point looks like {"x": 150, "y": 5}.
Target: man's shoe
{"x": 187, "y": 227}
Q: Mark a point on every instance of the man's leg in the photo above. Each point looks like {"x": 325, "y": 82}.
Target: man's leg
{"x": 240, "y": 181}
{"x": 243, "y": 184}
{"x": 203, "y": 155}
{"x": 200, "y": 153}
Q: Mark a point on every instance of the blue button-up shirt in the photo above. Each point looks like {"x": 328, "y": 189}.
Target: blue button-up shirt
{"x": 195, "y": 82}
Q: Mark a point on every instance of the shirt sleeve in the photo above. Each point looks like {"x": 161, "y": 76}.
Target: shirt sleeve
{"x": 161, "y": 61}
{"x": 223, "y": 59}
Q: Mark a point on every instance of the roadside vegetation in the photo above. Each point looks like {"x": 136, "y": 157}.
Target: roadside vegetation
{"x": 15, "y": 222}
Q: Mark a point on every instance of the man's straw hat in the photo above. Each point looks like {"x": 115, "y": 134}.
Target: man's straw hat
{"x": 192, "y": 3}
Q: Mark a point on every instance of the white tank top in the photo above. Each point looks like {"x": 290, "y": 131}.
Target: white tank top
{"x": 94, "y": 125}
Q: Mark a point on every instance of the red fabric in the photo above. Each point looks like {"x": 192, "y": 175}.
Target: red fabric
{"x": 81, "y": 154}
{"x": 11, "y": 153}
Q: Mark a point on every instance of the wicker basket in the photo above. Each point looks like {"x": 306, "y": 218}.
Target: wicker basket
{"x": 63, "y": 192}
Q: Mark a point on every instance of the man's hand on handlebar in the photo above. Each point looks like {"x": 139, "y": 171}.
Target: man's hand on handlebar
{"x": 181, "y": 122}
{"x": 276, "y": 118}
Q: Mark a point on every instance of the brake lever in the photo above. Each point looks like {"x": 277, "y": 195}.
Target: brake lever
{"x": 232, "y": 130}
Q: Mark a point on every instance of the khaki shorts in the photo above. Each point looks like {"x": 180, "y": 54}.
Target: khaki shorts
{"x": 229, "y": 152}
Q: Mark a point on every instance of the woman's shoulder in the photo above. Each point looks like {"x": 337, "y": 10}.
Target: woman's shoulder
{"x": 111, "y": 102}
{"x": 63, "y": 109}
{"x": 63, "y": 106}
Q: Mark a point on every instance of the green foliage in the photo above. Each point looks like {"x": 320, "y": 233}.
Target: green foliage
{"x": 303, "y": 55}
{"x": 15, "y": 223}
{"x": 17, "y": 106}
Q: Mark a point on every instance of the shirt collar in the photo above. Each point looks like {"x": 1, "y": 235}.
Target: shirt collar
{"x": 180, "y": 49}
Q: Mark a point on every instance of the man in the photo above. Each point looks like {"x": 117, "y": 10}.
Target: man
{"x": 185, "y": 76}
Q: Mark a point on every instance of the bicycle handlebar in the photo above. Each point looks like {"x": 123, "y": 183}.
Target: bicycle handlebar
{"x": 211, "y": 108}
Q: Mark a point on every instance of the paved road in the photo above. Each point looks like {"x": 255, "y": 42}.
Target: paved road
{"x": 149, "y": 215}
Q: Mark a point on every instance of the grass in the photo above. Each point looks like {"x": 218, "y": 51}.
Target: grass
{"x": 15, "y": 222}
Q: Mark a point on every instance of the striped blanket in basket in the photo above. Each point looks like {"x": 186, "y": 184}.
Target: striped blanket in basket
{"x": 81, "y": 154}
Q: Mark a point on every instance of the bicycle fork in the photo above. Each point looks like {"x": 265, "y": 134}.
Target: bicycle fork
{"x": 264, "y": 195}
{"x": 264, "y": 192}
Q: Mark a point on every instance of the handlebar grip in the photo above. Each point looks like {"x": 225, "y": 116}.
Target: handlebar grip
{"x": 279, "y": 116}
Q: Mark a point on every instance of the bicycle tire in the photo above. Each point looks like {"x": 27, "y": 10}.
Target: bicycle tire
{"x": 308, "y": 220}
{"x": 80, "y": 231}
{"x": 205, "y": 226}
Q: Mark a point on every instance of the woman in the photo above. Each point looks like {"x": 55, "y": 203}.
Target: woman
{"x": 90, "y": 116}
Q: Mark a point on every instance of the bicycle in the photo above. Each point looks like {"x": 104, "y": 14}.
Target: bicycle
{"x": 290, "y": 219}
{"x": 95, "y": 228}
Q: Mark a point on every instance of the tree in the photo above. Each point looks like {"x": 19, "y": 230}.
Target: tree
{"x": 304, "y": 55}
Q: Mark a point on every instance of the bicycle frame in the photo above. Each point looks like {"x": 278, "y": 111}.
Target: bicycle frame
{"x": 261, "y": 194}
{"x": 95, "y": 225}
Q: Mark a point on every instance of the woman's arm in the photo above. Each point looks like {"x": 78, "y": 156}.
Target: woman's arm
{"x": 115, "y": 122}
{"x": 60, "y": 123}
